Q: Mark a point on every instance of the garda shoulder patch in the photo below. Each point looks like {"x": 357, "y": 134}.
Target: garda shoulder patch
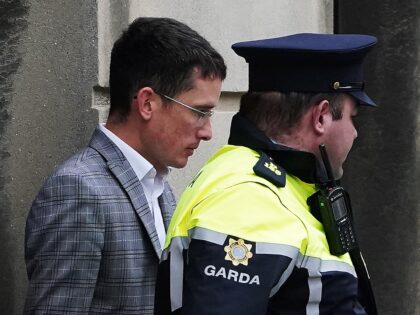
{"x": 268, "y": 169}
{"x": 238, "y": 252}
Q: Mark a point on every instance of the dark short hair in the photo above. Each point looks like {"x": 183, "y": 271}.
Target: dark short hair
{"x": 275, "y": 113}
{"x": 161, "y": 53}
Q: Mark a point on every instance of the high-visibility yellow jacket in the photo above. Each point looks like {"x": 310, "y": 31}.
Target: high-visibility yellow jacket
{"x": 243, "y": 241}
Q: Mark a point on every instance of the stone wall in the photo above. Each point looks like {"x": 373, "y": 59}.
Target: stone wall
{"x": 48, "y": 66}
{"x": 383, "y": 169}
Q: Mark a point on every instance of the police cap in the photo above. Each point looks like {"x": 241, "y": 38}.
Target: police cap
{"x": 308, "y": 62}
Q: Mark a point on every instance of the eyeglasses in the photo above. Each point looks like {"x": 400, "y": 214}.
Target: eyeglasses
{"x": 201, "y": 115}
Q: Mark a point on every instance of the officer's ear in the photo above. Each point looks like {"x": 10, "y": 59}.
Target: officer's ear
{"x": 321, "y": 117}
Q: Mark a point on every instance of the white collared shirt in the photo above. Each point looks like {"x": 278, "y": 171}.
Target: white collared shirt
{"x": 151, "y": 181}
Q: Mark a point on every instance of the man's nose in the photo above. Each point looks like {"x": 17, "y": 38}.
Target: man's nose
{"x": 205, "y": 131}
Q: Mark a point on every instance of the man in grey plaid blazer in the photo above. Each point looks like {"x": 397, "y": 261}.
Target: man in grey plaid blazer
{"x": 95, "y": 232}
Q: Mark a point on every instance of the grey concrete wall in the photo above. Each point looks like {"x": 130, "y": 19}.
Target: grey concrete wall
{"x": 383, "y": 170}
{"x": 12, "y": 24}
{"x": 48, "y": 66}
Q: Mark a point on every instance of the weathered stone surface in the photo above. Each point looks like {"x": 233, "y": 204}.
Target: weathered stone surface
{"x": 13, "y": 22}
{"x": 383, "y": 169}
{"x": 48, "y": 66}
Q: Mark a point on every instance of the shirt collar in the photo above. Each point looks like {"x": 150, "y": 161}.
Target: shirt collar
{"x": 140, "y": 165}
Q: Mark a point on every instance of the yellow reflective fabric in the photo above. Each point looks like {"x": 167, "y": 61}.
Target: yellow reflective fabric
{"x": 214, "y": 177}
{"x": 227, "y": 197}
{"x": 255, "y": 219}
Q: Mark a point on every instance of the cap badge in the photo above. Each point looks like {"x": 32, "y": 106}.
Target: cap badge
{"x": 351, "y": 86}
{"x": 238, "y": 252}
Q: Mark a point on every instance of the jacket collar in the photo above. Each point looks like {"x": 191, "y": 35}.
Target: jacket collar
{"x": 303, "y": 165}
{"x": 128, "y": 179}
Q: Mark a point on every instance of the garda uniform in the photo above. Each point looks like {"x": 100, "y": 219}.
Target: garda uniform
{"x": 243, "y": 239}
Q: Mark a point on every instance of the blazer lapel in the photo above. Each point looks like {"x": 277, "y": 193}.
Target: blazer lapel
{"x": 123, "y": 171}
{"x": 167, "y": 205}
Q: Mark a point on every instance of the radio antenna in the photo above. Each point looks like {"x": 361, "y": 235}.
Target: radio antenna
{"x": 327, "y": 164}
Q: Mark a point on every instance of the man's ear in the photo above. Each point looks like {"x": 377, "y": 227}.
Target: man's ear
{"x": 145, "y": 102}
{"x": 321, "y": 117}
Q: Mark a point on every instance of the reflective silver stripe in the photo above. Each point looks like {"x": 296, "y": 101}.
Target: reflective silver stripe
{"x": 286, "y": 274}
{"x": 333, "y": 265}
{"x": 204, "y": 234}
{"x": 315, "y": 292}
{"x": 178, "y": 244}
{"x": 296, "y": 261}
{"x": 176, "y": 272}
{"x": 316, "y": 267}
{"x": 276, "y": 249}
{"x": 316, "y": 264}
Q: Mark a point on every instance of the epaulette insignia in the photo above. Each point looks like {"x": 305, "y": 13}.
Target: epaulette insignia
{"x": 268, "y": 169}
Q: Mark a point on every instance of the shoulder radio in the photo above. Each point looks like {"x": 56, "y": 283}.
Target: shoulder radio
{"x": 331, "y": 204}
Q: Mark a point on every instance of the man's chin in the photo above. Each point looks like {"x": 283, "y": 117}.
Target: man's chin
{"x": 180, "y": 164}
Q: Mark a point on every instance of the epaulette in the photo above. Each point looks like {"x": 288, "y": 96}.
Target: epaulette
{"x": 268, "y": 169}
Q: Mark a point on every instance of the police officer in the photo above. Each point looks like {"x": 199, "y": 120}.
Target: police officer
{"x": 243, "y": 239}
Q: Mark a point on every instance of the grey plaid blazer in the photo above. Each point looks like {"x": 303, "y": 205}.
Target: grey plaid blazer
{"x": 90, "y": 245}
